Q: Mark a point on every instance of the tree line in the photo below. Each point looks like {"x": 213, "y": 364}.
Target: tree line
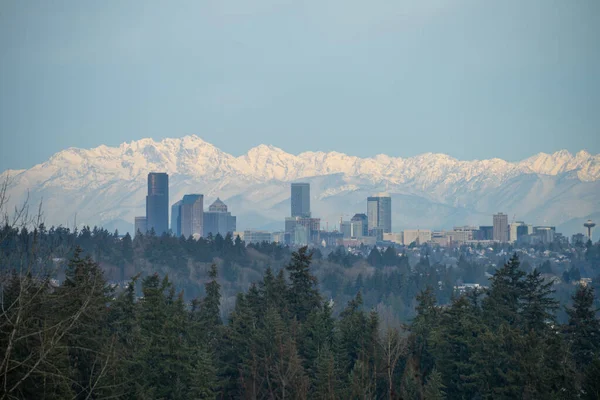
{"x": 82, "y": 339}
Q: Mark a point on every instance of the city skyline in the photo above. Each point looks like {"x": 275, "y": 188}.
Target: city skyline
{"x": 189, "y": 219}
{"x": 428, "y": 192}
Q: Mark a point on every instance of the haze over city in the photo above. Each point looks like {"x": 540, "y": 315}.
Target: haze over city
{"x": 277, "y": 199}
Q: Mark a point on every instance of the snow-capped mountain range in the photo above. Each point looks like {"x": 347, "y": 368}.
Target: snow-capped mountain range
{"x": 106, "y": 186}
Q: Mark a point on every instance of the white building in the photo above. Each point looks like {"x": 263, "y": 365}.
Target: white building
{"x": 419, "y": 236}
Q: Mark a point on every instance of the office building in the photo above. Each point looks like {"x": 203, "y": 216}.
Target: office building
{"x": 157, "y": 203}
{"x": 397, "y": 238}
{"x": 518, "y": 229}
{"x": 278, "y": 237}
{"x": 313, "y": 226}
{"x": 441, "y": 239}
{"x": 346, "y": 229}
{"x": 257, "y": 236}
{"x": 579, "y": 238}
{"x": 191, "y": 214}
{"x": 463, "y": 234}
{"x": 175, "y": 220}
{"x": 218, "y": 220}
{"x": 360, "y": 225}
{"x": 485, "y": 233}
{"x": 300, "y": 200}
{"x": 379, "y": 213}
{"x": 417, "y": 236}
{"x": 545, "y": 234}
{"x": 140, "y": 226}
{"x": 331, "y": 239}
{"x": 501, "y": 227}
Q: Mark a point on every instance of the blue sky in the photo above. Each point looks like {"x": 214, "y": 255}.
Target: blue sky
{"x": 471, "y": 78}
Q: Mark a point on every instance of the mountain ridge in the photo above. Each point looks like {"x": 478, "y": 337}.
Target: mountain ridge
{"x": 117, "y": 175}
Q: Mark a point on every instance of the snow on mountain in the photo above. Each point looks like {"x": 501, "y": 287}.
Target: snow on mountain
{"x": 106, "y": 185}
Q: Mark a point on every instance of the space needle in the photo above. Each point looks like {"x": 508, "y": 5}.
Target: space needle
{"x": 589, "y": 225}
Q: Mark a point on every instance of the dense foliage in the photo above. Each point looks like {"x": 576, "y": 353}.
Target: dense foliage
{"x": 389, "y": 279}
{"x": 83, "y": 339}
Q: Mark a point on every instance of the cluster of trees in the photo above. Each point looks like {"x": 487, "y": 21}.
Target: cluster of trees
{"x": 388, "y": 281}
{"x": 83, "y": 340}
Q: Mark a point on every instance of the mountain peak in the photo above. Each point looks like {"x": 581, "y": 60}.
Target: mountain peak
{"x": 108, "y": 183}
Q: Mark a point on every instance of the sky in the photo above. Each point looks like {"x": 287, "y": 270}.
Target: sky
{"x": 473, "y": 79}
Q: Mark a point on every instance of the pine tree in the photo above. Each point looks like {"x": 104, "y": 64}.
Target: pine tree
{"x": 203, "y": 379}
{"x": 583, "y": 328}
{"x": 316, "y": 334}
{"x": 85, "y": 293}
{"x": 210, "y": 315}
{"x": 327, "y": 379}
{"x": 303, "y": 295}
{"x": 505, "y": 293}
{"x": 538, "y": 305}
{"x": 422, "y": 327}
{"x": 591, "y": 380}
{"x": 454, "y": 344}
{"x": 434, "y": 388}
{"x": 375, "y": 258}
{"x": 410, "y": 384}
{"x": 127, "y": 248}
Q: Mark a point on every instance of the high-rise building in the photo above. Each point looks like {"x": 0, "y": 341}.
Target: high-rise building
{"x": 485, "y": 233}
{"x": 360, "y": 225}
{"x": 175, "y": 219}
{"x": 312, "y": 225}
{"x": 218, "y": 220}
{"x": 191, "y": 214}
{"x": 140, "y": 226}
{"x": 501, "y": 227}
{"x": 300, "y": 200}
{"x": 545, "y": 234}
{"x": 157, "y": 202}
{"x": 379, "y": 213}
{"x": 346, "y": 228}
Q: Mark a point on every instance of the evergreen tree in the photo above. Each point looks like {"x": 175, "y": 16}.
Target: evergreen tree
{"x": 375, "y": 258}
{"x": 127, "y": 248}
{"x": 203, "y": 380}
{"x": 583, "y": 328}
{"x": 538, "y": 305}
{"x": 303, "y": 295}
{"x": 86, "y": 294}
{"x": 505, "y": 293}
{"x": 591, "y": 380}
{"x": 327, "y": 380}
{"x": 434, "y": 388}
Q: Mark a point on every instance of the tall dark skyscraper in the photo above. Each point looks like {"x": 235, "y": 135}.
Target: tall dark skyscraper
{"x": 157, "y": 202}
{"x": 379, "y": 212}
{"x": 301, "y": 200}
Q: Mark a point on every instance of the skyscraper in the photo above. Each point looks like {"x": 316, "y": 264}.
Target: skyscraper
{"x": 300, "y": 200}
{"x": 175, "y": 220}
{"x": 191, "y": 215}
{"x": 140, "y": 225}
{"x": 501, "y": 227}
{"x": 157, "y": 202}
{"x": 360, "y": 225}
{"x": 379, "y": 213}
{"x": 218, "y": 220}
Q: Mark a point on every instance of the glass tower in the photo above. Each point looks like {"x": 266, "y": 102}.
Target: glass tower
{"x": 157, "y": 202}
